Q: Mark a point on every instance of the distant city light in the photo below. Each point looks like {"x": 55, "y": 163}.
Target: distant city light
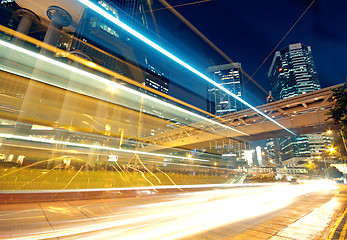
{"x": 249, "y": 157}
{"x": 141, "y": 37}
{"x": 259, "y": 156}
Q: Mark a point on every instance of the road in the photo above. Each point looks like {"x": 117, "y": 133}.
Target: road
{"x": 227, "y": 213}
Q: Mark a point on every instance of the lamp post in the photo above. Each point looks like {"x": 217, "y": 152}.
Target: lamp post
{"x": 326, "y": 168}
{"x": 293, "y": 169}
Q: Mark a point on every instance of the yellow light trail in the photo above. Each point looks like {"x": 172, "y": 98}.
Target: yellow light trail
{"x": 100, "y": 68}
{"x": 102, "y": 82}
{"x": 73, "y": 144}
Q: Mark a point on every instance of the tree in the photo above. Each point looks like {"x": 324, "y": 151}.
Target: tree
{"x": 311, "y": 167}
{"x": 339, "y": 111}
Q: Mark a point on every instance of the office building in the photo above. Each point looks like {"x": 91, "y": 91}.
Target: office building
{"x": 272, "y": 152}
{"x": 230, "y": 77}
{"x": 292, "y": 73}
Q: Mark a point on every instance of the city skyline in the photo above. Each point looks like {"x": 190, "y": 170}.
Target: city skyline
{"x": 104, "y": 100}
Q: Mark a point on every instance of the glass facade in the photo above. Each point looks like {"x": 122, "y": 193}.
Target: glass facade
{"x": 272, "y": 152}
{"x": 230, "y": 77}
{"x": 292, "y": 73}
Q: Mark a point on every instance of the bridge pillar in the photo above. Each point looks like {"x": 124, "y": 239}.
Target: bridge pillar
{"x": 59, "y": 18}
{"x": 26, "y": 20}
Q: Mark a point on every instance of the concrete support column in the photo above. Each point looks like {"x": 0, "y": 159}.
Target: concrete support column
{"x": 27, "y": 19}
{"x": 59, "y": 18}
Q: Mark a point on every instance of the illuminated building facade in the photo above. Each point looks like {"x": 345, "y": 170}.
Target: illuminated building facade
{"x": 230, "y": 77}
{"x": 292, "y": 73}
{"x": 221, "y": 103}
{"x": 272, "y": 151}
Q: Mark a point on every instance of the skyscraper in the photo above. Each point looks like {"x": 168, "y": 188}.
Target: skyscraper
{"x": 272, "y": 151}
{"x": 230, "y": 77}
{"x": 292, "y": 73}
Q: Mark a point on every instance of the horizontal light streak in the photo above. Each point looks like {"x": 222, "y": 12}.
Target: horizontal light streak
{"x": 110, "y": 84}
{"x": 173, "y": 216}
{"x": 104, "y": 154}
{"x": 173, "y": 57}
{"x": 72, "y": 144}
{"x": 187, "y": 186}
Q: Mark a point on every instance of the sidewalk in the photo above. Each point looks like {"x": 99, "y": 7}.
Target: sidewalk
{"x": 339, "y": 228}
{"x": 317, "y": 216}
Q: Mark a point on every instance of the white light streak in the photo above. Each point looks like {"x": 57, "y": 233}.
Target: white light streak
{"x": 173, "y": 57}
{"x": 172, "y": 217}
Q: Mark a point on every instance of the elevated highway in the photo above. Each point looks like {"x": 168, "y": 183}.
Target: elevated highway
{"x": 301, "y": 114}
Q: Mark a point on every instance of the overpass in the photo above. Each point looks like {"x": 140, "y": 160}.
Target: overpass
{"x": 301, "y": 114}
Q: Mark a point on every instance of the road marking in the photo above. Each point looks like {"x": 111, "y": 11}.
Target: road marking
{"x": 336, "y": 225}
{"x": 343, "y": 232}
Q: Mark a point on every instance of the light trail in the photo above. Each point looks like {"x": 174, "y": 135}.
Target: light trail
{"x": 185, "y": 21}
{"x": 170, "y": 216}
{"x": 72, "y": 144}
{"x": 99, "y": 68}
{"x": 173, "y": 57}
{"x": 96, "y": 78}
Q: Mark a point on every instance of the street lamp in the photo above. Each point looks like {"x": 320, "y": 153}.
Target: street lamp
{"x": 325, "y": 163}
{"x": 342, "y": 136}
{"x": 331, "y": 149}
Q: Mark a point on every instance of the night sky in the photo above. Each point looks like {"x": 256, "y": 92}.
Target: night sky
{"x": 248, "y": 30}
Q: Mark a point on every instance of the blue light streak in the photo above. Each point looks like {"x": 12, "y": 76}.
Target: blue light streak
{"x": 173, "y": 57}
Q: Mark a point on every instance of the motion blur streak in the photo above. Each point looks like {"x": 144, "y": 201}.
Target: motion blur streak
{"x": 184, "y": 214}
{"x": 42, "y": 140}
{"x": 173, "y": 57}
{"x": 93, "y": 79}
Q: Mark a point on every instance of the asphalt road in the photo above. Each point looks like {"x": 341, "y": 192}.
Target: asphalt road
{"x": 275, "y": 211}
